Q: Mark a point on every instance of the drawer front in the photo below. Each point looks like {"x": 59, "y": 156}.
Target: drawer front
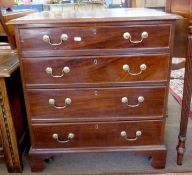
{"x": 94, "y": 104}
{"x": 100, "y": 37}
{"x": 79, "y": 70}
{"x": 99, "y": 134}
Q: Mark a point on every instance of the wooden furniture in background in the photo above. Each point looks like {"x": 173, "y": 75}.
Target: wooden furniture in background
{"x": 2, "y": 31}
{"x": 8, "y": 30}
{"x": 95, "y": 84}
{"x": 184, "y": 8}
{"x": 3, "y": 27}
{"x": 13, "y": 125}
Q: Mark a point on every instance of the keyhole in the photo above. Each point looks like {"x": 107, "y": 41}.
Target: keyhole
{"x": 96, "y": 126}
{"x": 95, "y": 61}
{"x": 95, "y": 93}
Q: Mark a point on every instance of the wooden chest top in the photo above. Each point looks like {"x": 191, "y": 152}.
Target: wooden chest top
{"x": 103, "y": 15}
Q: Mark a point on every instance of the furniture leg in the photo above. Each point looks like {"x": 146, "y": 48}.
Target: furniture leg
{"x": 187, "y": 91}
{"x": 36, "y": 163}
{"x": 37, "y": 160}
{"x": 159, "y": 159}
{"x": 9, "y": 141}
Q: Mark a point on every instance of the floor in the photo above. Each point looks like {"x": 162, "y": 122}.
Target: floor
{"x": 122, "y": 163}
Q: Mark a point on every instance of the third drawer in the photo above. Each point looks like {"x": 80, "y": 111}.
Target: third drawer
{"x": 96, "y": 103}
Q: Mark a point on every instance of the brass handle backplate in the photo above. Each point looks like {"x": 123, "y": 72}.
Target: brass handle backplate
{"x": 128, "y": 36}
{"x": 124, "y": 135}
{"x": 65, "y": 70}
{"x": 63, "y": 37}
{"x": 142, "y": 67}
{"x": 69, "y": 137}
{"x": 125, "y": 100}
{"x": 52, "y": 102}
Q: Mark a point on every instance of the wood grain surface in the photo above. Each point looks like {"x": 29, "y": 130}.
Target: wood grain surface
{"x": 94, "y": 70}
{"x": 96, "y": 82}
{"x": 96, "y": 103}
{"x": 97, "y": 134}
{"x": 100, "y": 37}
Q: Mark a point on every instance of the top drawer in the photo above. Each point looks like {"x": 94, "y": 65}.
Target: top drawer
{"x": 63, "y": 39}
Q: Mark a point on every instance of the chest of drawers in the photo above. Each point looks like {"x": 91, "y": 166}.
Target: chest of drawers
{"x": 96, "y": 81}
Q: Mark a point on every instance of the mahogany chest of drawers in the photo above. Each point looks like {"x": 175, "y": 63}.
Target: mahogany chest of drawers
{"x": 96, "y": 81}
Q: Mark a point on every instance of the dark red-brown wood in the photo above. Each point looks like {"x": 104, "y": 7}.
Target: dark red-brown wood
{"x": 157, "y": 154}
{"x": 96, "y": 82}
{"x": 97, "y": 134}
{"x": 96, "y": 103}
{"x": 93, "y": 70}
{"x": 110, "y": 37}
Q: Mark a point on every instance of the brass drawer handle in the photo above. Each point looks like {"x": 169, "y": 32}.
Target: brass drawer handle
{"x": 69, "y": 137}
{"x": 128, "y": 36}
{"x": 137, "y": 135}
{"x": 52, "y": 102}
{"x": 142, "y": 67}
{"x": 65, "y": 70}
{"x": 63, "y": 37}
{"x": 140, "y": 100}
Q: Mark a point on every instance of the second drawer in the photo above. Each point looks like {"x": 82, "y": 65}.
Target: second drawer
{"x": 96, "y": 103}
{"x": 92, "y": 70}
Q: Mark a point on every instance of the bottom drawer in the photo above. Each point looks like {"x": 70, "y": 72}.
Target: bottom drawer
{"x": 100, "y": 134}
